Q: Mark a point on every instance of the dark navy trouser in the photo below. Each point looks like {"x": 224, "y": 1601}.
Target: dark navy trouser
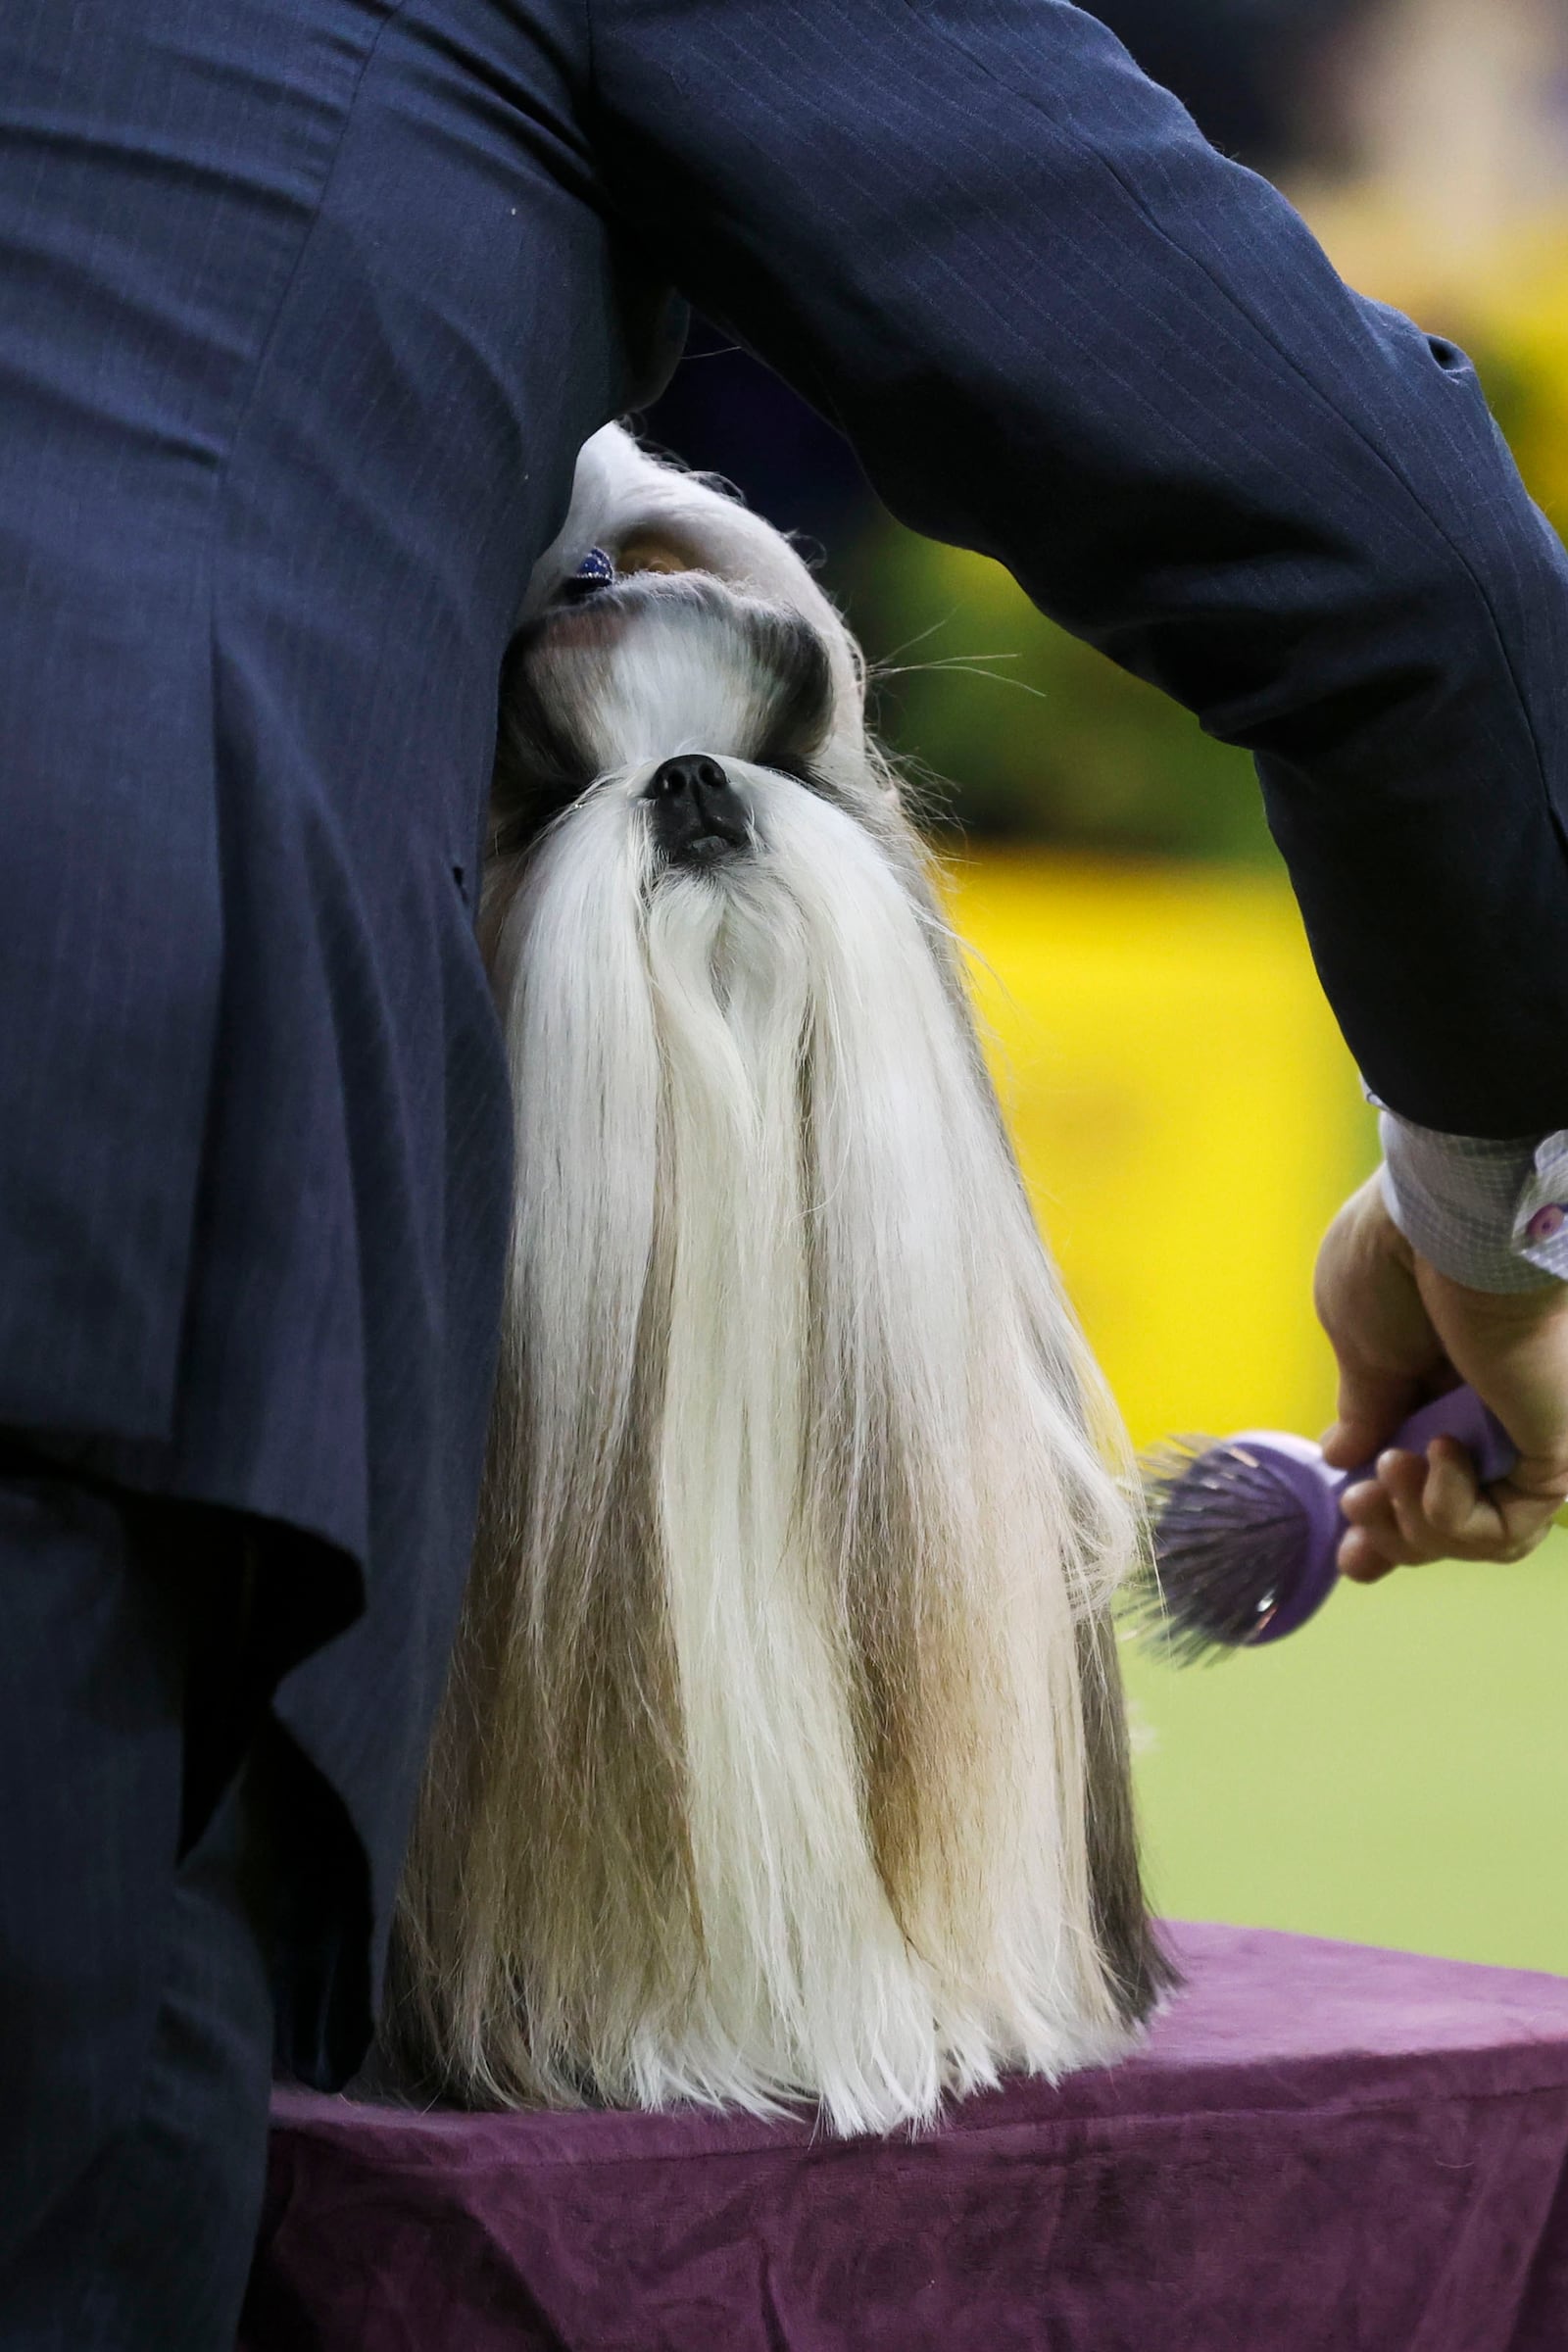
{"x": 136, "y": 2014}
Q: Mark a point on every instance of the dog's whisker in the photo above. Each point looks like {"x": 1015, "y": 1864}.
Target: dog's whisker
{"x": 944, "y": 621}
{"x": 968, "y": 665}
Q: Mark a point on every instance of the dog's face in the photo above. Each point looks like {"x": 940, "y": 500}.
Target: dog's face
{"x": 680, "y": 689}
{"x": 696, "y": 714}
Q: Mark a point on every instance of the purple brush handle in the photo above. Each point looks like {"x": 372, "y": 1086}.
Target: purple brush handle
{"x": 1300, "y": 1467}
{"x": 1459, "y": 1414}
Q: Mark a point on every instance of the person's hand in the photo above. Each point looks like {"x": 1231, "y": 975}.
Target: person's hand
{"x": 1403, "y": 1334}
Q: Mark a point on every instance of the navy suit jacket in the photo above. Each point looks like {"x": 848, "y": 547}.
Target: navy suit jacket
{"x": 305, "y": 309}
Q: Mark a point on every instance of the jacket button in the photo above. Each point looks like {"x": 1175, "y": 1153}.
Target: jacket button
{"x": 1547, "y": 1221}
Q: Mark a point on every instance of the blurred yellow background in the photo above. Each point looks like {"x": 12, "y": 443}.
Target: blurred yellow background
{"x": 1188, "y": 1120}
{"x": 1185, "y": 1115}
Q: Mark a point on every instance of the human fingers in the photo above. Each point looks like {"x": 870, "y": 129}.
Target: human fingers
{"x": 1419, "y": 1509}
{"x": 1362, "y": 1559}
{"x": 1451, "y": 1495}
{"x": 1382, "y": 1531}
{"x": 1505, "y": 1521}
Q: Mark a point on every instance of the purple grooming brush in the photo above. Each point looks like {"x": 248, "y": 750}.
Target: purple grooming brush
{"x": 1245, "y": 1532}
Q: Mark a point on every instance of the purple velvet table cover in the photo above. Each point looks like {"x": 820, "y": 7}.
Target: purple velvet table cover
{"x": 1323, "y": 2148}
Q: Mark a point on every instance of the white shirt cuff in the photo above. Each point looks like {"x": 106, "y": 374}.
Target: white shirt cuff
{"x": 1492, "y": 1215}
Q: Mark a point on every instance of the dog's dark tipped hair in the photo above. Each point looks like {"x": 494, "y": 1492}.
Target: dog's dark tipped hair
{"x": 784, "y": 1752}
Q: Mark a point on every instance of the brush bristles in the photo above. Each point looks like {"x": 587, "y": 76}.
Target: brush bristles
{"x": 1227, "y": 1548}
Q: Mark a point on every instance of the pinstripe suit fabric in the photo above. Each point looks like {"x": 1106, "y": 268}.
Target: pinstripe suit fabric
{"x": 308, "y": 310}
{"x": 308, "y": 305}
{"x": 1060, "y": 327}
{"x": 137, "y": 1912}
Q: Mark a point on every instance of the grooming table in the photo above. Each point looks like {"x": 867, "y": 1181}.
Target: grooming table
{"x": 1322, "y": 2148}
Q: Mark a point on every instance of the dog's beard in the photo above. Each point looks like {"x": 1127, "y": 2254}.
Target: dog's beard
{"x": 765, "y": 1763}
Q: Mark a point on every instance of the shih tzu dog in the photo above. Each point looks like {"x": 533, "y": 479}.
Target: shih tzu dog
{"x": 783, "y": 1753}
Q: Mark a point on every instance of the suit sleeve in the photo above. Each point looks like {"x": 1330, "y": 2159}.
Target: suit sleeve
{"x": 1058, "y": 327}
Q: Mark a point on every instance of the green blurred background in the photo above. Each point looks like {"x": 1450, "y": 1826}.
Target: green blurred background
{"x": 1187, "y": 1116}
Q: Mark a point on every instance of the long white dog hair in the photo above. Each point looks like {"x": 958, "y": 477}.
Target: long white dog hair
{"x": 783, "y": 1750}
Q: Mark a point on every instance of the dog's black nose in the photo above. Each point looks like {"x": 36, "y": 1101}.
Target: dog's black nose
{"x": 698, "y": 817}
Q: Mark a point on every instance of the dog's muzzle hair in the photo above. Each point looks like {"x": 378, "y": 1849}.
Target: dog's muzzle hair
{"x": 594, "y": 691}
{"x": 783, "y": 1749}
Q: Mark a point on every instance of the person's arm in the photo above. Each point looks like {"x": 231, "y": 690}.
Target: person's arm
{"x": 1060, "y": 327}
